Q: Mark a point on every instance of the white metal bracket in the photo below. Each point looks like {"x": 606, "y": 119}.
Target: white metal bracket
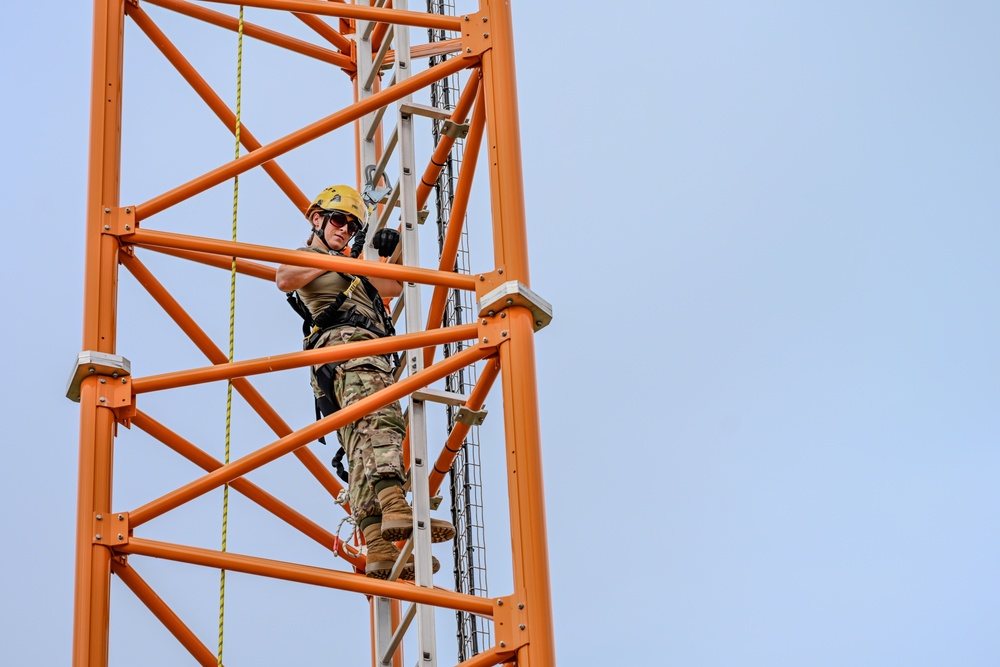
{"x": 89, "y": 363}
{"x": 470, "y": 417}
{"x": 516, "y": 293}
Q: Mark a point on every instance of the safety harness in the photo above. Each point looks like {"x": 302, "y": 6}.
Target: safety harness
{"x": 332, "y": 317}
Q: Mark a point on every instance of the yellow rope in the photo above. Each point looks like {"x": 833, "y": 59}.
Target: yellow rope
{"x": 232, "y": 333}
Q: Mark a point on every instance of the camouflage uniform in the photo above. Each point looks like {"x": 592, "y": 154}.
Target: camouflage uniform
{"x": 374, "y": 443}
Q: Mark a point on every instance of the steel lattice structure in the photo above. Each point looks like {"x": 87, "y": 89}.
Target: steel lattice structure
{"x": 371, "y": 46}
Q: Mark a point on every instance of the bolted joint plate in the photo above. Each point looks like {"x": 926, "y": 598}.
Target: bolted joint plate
{"x": 515, "y": 293}
{"x": 510, "y": 620}
{"x": 476, "y": 34}
{"x": 110, "y": 529}
{"x": 117, "y": 395}
{"x": 101, "y": 364}
{"x": 119, "y": 221}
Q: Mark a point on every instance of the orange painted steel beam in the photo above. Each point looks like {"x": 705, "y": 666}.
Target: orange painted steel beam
{"x": 507, "y": 193}
{"x": 345, "y": 11}
{"x": 93, "y": 560}
{"x": 453, "y": 444}
{"x": 456, "y": 220}
{"x": 242, "y": 266}
{"x": 305, "y": 435}
{"x": 153, "y": 238}
{"x": 214, "y": 102}
{"x": 250, "y": 490}
{"x": 298, "y": 138}
{"x": 287, "y": 361}
{"x": 252, "y": 30}
{"x": 442, "y": 48}
{"x": 214, "y": 354}
{"x": 437, "y": 161}
{"x": 526, "y": 496}
{"x": 525, "y": 487}
{"x": 328, "y": 33}
{"x": 489, "y": 657}
{"x": 170, "y": 620}
{"x": 396, "y": 615}
{"x": 317, "y": 576}
{"x": 92, "y": 586}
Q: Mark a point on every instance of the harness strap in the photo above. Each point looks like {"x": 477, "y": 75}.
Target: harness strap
{"x": 341, "y": 318}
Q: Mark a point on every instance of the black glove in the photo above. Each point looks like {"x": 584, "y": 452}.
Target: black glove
{"x": 359, "y": 241}
{"x": 385, "y": 241}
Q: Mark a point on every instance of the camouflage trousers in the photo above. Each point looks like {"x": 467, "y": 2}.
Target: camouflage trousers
{"x": 374, "y": 443}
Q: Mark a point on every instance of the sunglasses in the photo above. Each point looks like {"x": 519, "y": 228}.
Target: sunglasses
{"x": 341, "y": 220}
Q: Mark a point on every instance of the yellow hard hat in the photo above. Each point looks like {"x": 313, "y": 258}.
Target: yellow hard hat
{"x": 340, "y": 198}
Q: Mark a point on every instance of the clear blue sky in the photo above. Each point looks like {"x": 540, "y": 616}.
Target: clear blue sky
{"x": 771, "y": 391}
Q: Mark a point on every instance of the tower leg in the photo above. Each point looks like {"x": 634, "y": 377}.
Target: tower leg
{"x": 517, "y": 356}
{"x": 93, "y": 561}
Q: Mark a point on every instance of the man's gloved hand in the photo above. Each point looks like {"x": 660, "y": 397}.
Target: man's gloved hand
{"x": 385, "y": 241}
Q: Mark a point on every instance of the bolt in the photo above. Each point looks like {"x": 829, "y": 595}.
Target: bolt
{"x": 115, "y": 374}
{"x": 121, "y": 517}
{"x": 128, "y": 210}
{"x": 466, "y": 17}
{"x": 91, "y": 370}
{"x": 490, "y": 313}
{"x": 503, "y": 315}
{"x": 122, "y": 537}
{"x": 520, "y": 626}
{"x": 510, "y": 302}
{"x": 485, "y": 340}
{"x": 102, "y": 381}
{"x": 503, "y": 333}
{"x": 99, "y": 517}
{"x": 499, "y": 603}
{"x": 468, "y": 50}
{"x": 500, "y": 271}
{"x": 128, "y": 227}
{"x": 97, "y": 537}
{"x": 503, "y": 644}
{"x": 482, "y": 278}
{"x": 107, "y": 227}
{"x": 103, "y": 400}
{"x": 107, "y": 210}
{"x": 520, "y": 605}
{"x": 123, "y": 380}
{"x": 538, "y": 323}
{"x": 485, "y": 35}
{"x": 484, "y": 321}
{"x": 485, "y": 19}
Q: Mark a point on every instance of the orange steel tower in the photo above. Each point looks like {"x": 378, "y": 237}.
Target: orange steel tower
{"x": 369, "y": 44}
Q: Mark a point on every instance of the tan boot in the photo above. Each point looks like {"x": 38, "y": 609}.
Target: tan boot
{"x": 381, "y": 556}
{"x": 397, "y": 518}
{"x": 409, "y": 572}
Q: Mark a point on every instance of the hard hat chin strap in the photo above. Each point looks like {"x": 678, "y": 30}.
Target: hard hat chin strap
{"x": 321, "y": 234}
{"x": 359, "y": 237}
